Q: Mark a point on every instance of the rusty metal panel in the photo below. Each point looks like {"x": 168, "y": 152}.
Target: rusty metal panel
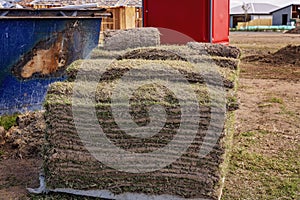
{"x": 34, "y": 52}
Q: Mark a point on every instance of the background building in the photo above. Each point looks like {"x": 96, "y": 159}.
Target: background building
{"x": 287, "y": 15}
{"x": 126, "y": 13}
{"x": 261, "y": 12}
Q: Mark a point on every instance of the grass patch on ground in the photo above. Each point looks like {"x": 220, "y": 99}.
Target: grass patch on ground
{"x": 286, "y": 111}
{"x": 7, "y": 121}
{"x": 260, "y": 174}
{"x": 275, "y": 100}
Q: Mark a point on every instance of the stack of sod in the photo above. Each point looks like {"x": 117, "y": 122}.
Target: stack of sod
{"x": 68, "y": 163}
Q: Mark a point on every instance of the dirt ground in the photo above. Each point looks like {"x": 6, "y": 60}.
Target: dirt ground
{"x": 265, "y": 161}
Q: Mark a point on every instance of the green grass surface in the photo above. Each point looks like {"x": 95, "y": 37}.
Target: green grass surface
{"x": 262, "y": 175}
{"x": 7, "y": 121}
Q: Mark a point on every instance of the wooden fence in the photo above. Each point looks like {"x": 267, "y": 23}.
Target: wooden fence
{"x": 123, "y": 18}
{"x": 255, "y": 22}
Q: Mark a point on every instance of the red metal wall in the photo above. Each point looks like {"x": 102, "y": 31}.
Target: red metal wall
{"x": 190, "y": 20}
{"x": 221, "y": 21}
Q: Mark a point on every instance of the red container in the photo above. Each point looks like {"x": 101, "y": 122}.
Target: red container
{"x": 189, "y": 20}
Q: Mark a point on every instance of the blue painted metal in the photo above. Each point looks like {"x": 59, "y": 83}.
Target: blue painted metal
{"x": 18, "y": 36}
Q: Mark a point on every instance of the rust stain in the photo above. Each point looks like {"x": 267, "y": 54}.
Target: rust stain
{"x": 46, "y": 61}
{"x": 50, "y": 57}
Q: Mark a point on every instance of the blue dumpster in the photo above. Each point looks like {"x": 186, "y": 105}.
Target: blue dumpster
{"x": 36, "y": 46}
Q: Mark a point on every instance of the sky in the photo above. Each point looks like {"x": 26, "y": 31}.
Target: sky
{"x": 274, "y": 2}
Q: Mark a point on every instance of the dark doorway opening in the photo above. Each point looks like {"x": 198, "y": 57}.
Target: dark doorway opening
{"x": 240, "y": 18}
{"x": 284, "y": 19}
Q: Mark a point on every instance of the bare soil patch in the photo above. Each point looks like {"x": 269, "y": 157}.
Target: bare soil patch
{"x": 20, "y": 156}
{"x": 262, "y": 44}
{"x": 294, "y": 31}
{"x": 287, "y": 56}
{"x": 16, "y": 175}
{"x": 265, "y": 153}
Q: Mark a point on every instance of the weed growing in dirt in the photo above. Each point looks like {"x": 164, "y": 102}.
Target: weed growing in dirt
{"x": 264, "y": 105}
{"x": 248, "y": 134}
{"x": 285, "y": 111}
{"x": 275, "y": 100}
{"x": 7, "y": 121}
{"x": 1, "y": 153}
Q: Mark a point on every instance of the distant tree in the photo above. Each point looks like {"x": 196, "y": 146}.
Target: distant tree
{"x": 246, "y": 7}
